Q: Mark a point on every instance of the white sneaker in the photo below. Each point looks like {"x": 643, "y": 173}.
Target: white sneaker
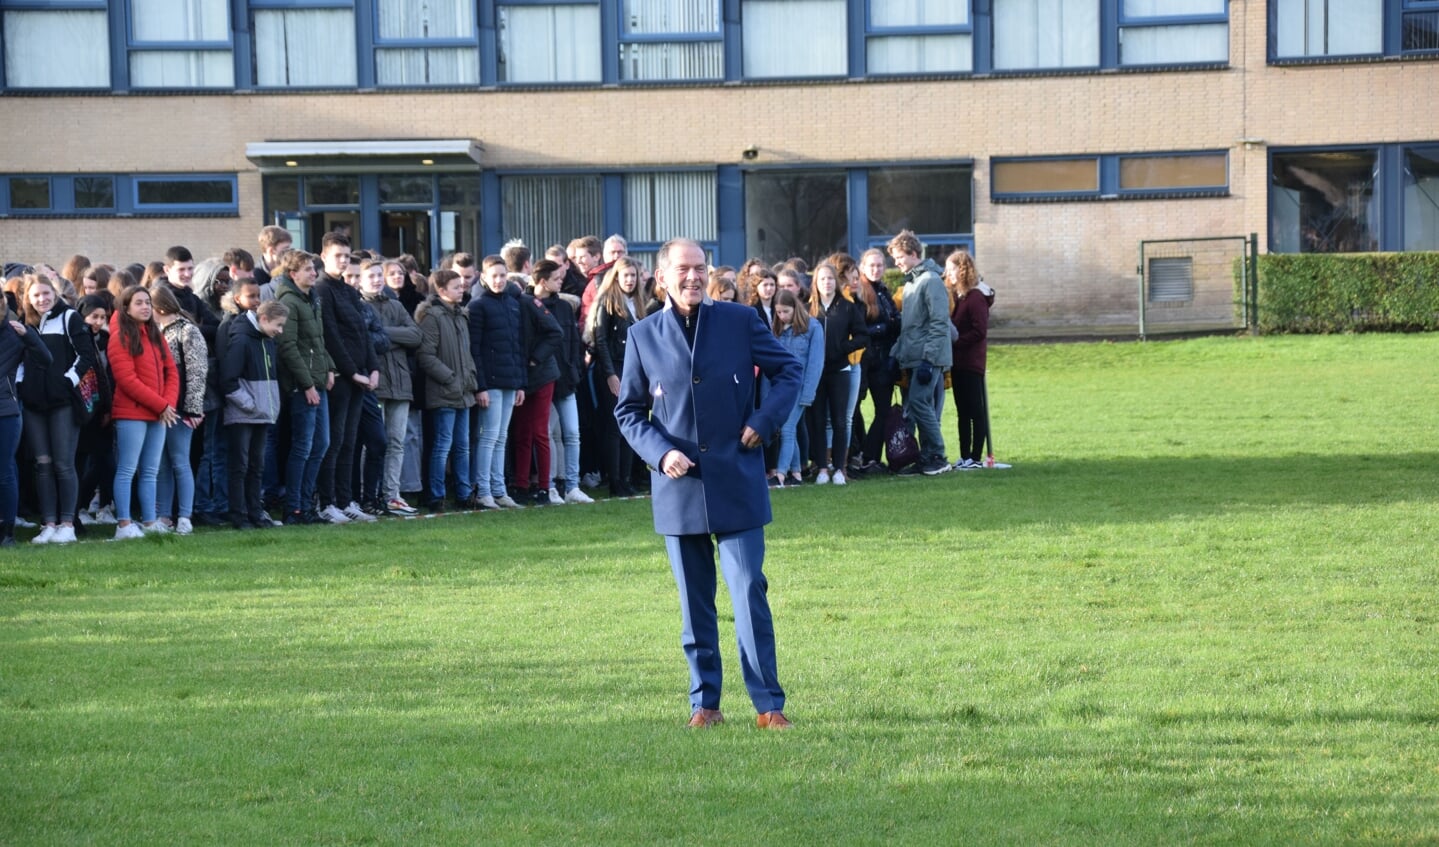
{"x": 22, "y": 523}
{"x": 45, "y": 537}
{"x": 63, "y": 535}
{"x": 590, "y": 480}
{"x": 822, "y": 478}
{"x": 154, "y": 528}
{"x": 355, "y": 513}
{"x": 106, "y": 516}
{"x": 184, "y": 527}
{"x": 555, "y": 498}
{"x": 838, "y": 478}
{"x": 128, "y": 531}
{"x": 506, "y": 502}
{"x": 94, "y": 504}
{"x": 488, "y": 502}
{"x": 333, "y": 514}
{"x": 577, "y": 496}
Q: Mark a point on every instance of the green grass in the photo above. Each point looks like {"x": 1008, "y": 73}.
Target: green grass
{"x": 1199, "y": 609}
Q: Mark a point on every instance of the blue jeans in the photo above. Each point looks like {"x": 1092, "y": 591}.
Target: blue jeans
{"x": 176, "y": 475}
{"x": 138, "y": 448}
{"x": 487, "y": 462}
{"x": 452, "y": 440}
{"x": 10, "y": 428}
{"x": 212, "y": 493}
{"x": 309, "y": 439}
{"x": 741, "y": 558}
{"x": 788, "y": 460}
{"x": 565, "y": 417}
{"x": 923, "y": 406}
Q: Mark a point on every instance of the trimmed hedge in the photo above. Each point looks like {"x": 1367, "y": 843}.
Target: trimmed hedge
{"x": 1349, "y": 292}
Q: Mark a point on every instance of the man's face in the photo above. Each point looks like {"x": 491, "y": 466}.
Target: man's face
{"x": 372, "y": 281}
{"x": 336, "y": 259}
{"x": 467, "y": 275}
{"x": 496, "y": 278}
{"x": 238, "y": 273}
{"x": 587, "y": 261}
{"x": 685, "y": 276}
{"x": 272, "y": 255}
{"x": 180, "y": 273}
{"x": 352, "y": 276}
{"x": 902, "y": 260}
{"x": 615, "y": 250}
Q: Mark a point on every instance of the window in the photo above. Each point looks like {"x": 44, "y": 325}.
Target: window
{"x": 671, "y": 39}
{"x": 1324, "y": 202}
{"x": 31, "y": 193}
{"x": 544, "y": 210}
{"x": 1155, "y": 32}
{"x": 430, "y": 43}
{"x": 1421, "y": 199}
{"x": 340, "y": 190}
{"x": 549, "y": 43}
{"x": 935, "y": 200}
{"x": 180, "y": 44}
{"x": 284, "y": 42}
{"x": 158, "y": 193}
{"x": 1420, "y": 26}
{"x": 1036, "y": 34}
{"x": 34, "y": 38}
{"x": 1110, "y": 175}
{"x": 918, "y": 36}
{"x": 661, "y": 206}
{"x": 795, "y": 213}
{"x": 414, "y": 188}
{"x": 1171, "y": 280}
{"x": 794, "y": 38}
{"x": 94, "y": 192}
{"x": 1318, "y": 28}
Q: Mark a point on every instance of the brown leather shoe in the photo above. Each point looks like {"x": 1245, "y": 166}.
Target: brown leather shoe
{"x": 773, "y": 720}
{"x": 705, "y": 718}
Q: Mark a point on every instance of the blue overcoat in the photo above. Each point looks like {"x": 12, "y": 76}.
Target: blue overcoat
{"x": 699, "y": 403}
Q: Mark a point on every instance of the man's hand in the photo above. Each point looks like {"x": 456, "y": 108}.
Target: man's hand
{"x": 924, "y": 374}
{"x": 312, "y": 397}
{"x": 749, "y": 438}
{"x": 675, "y": 464}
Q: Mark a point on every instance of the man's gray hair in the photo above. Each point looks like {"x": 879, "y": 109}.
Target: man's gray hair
{"x": 618, "y": 239}
{"x": 662, "y": 259}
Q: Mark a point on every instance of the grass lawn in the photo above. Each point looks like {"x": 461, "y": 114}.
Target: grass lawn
{"x": 1201, "y": 608}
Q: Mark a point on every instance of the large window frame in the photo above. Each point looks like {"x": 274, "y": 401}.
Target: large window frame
{"x": 1394, "y": 15}
{"x": 638, "y": 40}
{"x": 370, "y": 54}
{"x": 135, "y": 46}
{"x": 1107, "y": 183}
{"x": 125, "y": 196}
{"x": 878, "y": 32}
{"x": 39, "y": 6}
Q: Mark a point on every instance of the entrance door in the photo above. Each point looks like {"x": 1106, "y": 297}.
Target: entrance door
{"x": 406, "y": 232}
{"x": 345, "y": 223}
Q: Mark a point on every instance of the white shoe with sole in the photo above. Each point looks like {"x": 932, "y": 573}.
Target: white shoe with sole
{"x": 63, "y": 535}
{"x": 838, "y": 478}
{"x": 333, "y": 514}
{"x": 822, "y": 478}
{"x": 46, "y": 535}
{"x": 128, "y": 531}
{"x": 506, "y": 502}
{"x": 184, "y": 527}
{"x": 577, "y": 496}
{"x": 555, "y": 498}
{"x": 355, "y": 513}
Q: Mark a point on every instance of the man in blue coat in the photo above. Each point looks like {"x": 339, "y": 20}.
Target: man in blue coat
{"x": 686, "y": 405}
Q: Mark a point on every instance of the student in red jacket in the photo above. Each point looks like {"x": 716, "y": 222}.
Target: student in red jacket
{"x": 147, "y": 390}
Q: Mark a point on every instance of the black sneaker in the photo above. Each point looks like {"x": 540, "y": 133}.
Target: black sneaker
{"x": 935, "y": 467}
{"x": 296, "y": 519}
{"x": 541, "y": 497}
{"x": 911, "y": 469}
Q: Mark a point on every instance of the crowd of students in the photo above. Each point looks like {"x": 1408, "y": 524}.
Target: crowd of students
{"x": 338, "y": 388}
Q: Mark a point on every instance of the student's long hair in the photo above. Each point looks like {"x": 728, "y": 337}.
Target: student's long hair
{"x": 800, "y": 321}
{"x": 816, "y": 300}
{"x": 32, "y": 280}
{"x": 761, "y": 274}
{"x": 164, "y": 302}
{"x": 131, "y": 330}
{"x": 960, "y": 276}
{"x": 610, "y": 298}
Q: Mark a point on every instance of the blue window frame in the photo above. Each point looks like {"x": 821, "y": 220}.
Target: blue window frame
{"x": 275, "y": 48}
{"x": 916, "y": 37}
{"x": 32, "y": 33}
{"x": 118, "y": 195}
{"x": 549, "y": 42}
{"x": 1387, "y": 198}
{"x": 434, "y": 44}
{"x": 178, "y": 44}
{"x": 1323, "y": 31}
{"x": 1110, "y": 176}
{"x": 670, "y": 40}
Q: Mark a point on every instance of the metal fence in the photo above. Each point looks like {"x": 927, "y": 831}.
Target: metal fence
{"x": 1197, "y": 284}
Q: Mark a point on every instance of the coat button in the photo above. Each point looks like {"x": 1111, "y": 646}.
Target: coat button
{"x": 704, "y": 448}
{"x": 697, "y": 380}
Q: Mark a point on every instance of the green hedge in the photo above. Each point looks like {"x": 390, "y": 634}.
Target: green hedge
{"x": 1352, "y": 292}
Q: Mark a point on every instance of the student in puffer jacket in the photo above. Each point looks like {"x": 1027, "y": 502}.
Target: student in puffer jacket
{"x": 451, "y": 389}
{"x": 250, "y": 383}
{"x": 396, "y": 391}
{"x": 17, "y": 341}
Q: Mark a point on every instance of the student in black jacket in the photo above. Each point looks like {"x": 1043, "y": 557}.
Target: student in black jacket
{"x": 844, "y": 334}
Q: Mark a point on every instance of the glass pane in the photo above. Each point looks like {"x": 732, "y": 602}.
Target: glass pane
{"x": 180, "y": 20}
{"x": 1044, "y": 176}
{"x": 185, "y": 192}
{"x": 545, "y": 210}
{"x": 406, "y": 232}
{"x": 773, "y": 48}
{"x": 1151, "y": 172}
{"x": 1167, "y": 8}
{"x": 926, "y": 200}
{"x": 797, "y": 213}
{"x": 337, "y": 190}
{"x": 681, "y": 60}
{"x": 459, "y": 190}
{"x": 671, "y": 16}
{"x": 34, "y": 39}
{"x": 1325, "y": 202}
{"x": 1421, "y": 31}
{"x": 182, "y": 69}
{"x": 1421, "y": 199}
{"x": 659, "y": 207}
{"x": 282, "y": 194}
{"x": 918, "y": 12}
{"x": 920, "y": 54}
{"x": 284, "y": 54}
{"x": 459, "y": 222}
{"x": 430, "y": 19}
{"x": 417, "y": 66}
{"x": 549, "y": 43}
{"x": 27, "y": 192}
{"x": 94, "y": 192}
{"x": 1169, "y": 45}
{"x": 413, "y": 188}
{"x": 1328, "y": 27}
{"x": 1046, "y": 34}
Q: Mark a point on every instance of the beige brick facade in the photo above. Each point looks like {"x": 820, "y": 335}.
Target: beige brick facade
{"x": 1057, "y": 266}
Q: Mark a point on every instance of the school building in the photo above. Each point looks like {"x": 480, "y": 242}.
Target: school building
{"x": 1049, "y": 137}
